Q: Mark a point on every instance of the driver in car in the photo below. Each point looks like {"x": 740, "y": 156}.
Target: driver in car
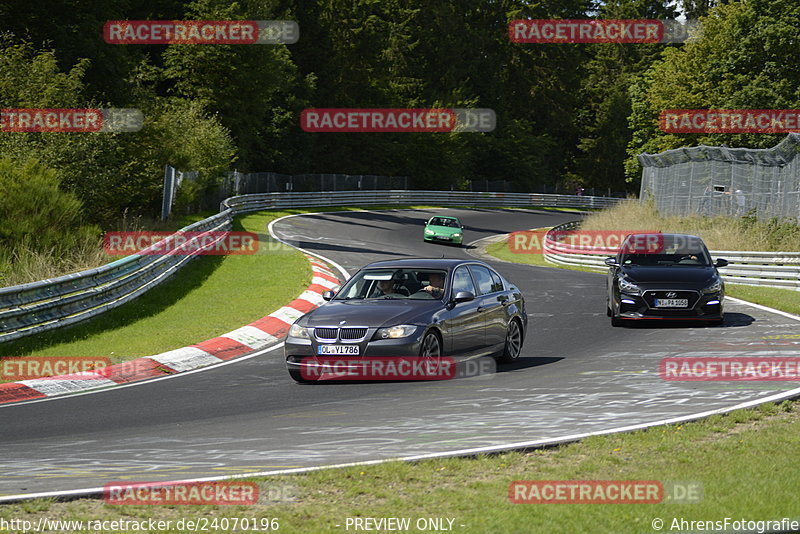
{"x": 686, "y": 254}
{"x": 388, "y": 287}
{"x": 435, "y": 285}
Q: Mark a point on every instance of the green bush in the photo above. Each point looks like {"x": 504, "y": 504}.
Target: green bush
{"x": 37, "y": 218}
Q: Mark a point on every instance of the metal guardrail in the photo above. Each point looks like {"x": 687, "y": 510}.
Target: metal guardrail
{"x": 47, "y": 304}
{"x": 766, "y": 269}
{"x": 400, "y": 198}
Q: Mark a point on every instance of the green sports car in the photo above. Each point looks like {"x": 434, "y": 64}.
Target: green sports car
{"x": 444, "y": 230}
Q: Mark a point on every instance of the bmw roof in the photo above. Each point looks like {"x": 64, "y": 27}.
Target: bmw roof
{"x": 422, "y": 263}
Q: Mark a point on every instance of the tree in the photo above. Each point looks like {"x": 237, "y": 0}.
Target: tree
{"x": 608, "y": 73}
{"x": 742, "y": 60}
{"x": 109, "y": 172}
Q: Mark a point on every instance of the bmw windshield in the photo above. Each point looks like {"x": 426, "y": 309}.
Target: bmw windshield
{"x": 389, "y": 284}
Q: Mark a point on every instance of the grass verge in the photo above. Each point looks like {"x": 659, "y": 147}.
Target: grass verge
{"x": 718, "y": 452}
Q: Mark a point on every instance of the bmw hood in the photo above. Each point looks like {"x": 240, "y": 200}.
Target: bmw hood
{"x": 374, "y": 313}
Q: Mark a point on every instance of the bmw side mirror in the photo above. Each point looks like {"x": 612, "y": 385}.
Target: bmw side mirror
{"x": 464, "y": 296}
{"x": 611, "y": 262}
{"x": 721, "y": 263}
{"x": 328, "y": 295}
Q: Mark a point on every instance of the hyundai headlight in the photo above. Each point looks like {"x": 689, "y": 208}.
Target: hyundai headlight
{"x": 428, "y": 232}
{"x": 298, "y": 331}
{"x": 715, "y": 287}
{"x": 626, "y": 286}
{"x": 456, "y": 235}
{"x": 395, "y": 332}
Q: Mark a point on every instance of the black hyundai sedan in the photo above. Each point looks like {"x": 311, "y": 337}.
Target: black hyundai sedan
{"x": 664, "y": 277}
{"x": 425, "y": 308}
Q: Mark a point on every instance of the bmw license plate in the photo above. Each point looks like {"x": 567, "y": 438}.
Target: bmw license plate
{"x": 672, "y": 303}
{"x": 336, "y": 350}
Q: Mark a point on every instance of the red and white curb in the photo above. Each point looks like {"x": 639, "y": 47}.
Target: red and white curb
{"x": 247, "y": 339}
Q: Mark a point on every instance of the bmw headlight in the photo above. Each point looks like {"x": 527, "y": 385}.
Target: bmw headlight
{"x": 395, "y": 332}
{"x": 626, "y": 286}
{"x": 715, "y": 287}
{"x": 428, "y": 232}
{"x": 298, "y": 331}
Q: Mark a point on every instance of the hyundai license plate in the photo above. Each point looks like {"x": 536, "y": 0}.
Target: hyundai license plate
{"x": 672, "y": 303}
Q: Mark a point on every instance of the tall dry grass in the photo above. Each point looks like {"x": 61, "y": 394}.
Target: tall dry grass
{"x": 719, "y": 233}
{"x": 24, "y": 264}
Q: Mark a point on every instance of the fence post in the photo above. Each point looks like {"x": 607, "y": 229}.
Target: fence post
{"x": 169, "y": 192}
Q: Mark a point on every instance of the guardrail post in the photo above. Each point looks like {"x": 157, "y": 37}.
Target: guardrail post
{"x": 169, "y": 192}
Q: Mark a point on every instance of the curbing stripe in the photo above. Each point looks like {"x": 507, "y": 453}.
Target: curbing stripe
{"x": 15, "y": 392}
{"x": 273, "y": 325}
{"x": 185, "y": 359}
{"x": 327, "y": 278}
{"x": 223, "y": 348}
{"x": 325, "y": 272}
{"x": 303, "y": 305}
{"x": 311, "y": 296}
{"x": 327, "y": 284}
{"x": 316, "y": 288}
{"x": 134, "y": 370}
{"x": 58, "y": 385}
{"x": 288, "y": 314}
{"x": 251, "y": 336}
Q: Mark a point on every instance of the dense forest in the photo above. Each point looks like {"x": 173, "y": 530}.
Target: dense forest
{"x": 566, "y": 113}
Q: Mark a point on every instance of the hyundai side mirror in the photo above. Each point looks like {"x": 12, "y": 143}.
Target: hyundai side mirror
{"x": 721, "y": 263}
{"x": 464, "y": 296}
{"x": 328, "y": 295}
{"x": 611, "y": 262}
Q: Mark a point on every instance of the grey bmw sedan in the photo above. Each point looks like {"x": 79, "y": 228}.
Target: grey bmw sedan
{"x": 427, "y": 308}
